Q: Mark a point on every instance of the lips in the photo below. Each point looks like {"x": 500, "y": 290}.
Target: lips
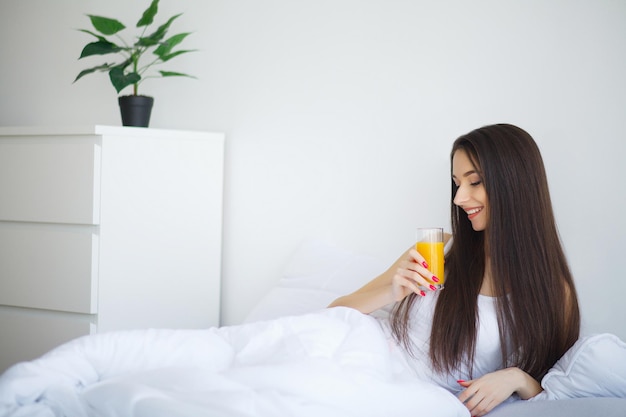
{"x": 471, "y": 213}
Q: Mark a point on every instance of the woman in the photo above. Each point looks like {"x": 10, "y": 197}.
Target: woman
{"x": 509, "y": 310}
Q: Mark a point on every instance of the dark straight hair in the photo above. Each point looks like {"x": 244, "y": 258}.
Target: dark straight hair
{"x": 536, "y": 301}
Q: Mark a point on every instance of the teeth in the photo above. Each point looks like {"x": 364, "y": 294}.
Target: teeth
{"x": 472, "y": 211}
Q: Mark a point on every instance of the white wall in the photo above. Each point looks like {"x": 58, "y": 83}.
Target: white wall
{"x": 339, "y": 116}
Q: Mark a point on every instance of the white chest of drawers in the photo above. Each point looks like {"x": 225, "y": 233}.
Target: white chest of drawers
{"x": 106, "y": 228}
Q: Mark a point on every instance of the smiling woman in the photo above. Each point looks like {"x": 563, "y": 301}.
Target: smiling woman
{"x": 480, "y": 337}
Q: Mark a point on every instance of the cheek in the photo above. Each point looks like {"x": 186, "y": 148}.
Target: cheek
{"x": 483, "y": 197}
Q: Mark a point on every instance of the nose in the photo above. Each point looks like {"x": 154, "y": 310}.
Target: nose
{"x": 461, "y": 196}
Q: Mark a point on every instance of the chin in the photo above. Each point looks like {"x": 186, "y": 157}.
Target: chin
{"x": 478, "y": 227}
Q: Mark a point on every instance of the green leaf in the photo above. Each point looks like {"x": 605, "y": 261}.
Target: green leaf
{"x": 103, "y": 67}
{"x": 156, "y": 37}
{"x": 120, "y": 80}
{"x": 174, "y": 74}
{"x": 166, "y": 47}
{"x": 147, "y": 41}
{"x": 99, "y": 48}
{"x": 101, "y": 38}
{"x": 105, "y": 25}
{"x": 166, "y": 58}
{"x": 148, "y": 16}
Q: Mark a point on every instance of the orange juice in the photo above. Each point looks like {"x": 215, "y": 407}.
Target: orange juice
{"x": 433, "y": 253}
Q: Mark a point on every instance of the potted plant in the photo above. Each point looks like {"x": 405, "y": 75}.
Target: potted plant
{"x": 135, "y": 63}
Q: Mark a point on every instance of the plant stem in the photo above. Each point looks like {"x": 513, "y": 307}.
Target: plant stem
{"x": 135, "y": 65}
{"x": 136, "y": 85}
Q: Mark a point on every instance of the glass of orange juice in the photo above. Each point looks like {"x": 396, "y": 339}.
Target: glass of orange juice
{"x": 430, "y": 246}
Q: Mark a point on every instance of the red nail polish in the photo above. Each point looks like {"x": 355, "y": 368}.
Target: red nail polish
{"x": 422, "y": 293}
{"x": 424, "y": 264}
{"x": 460, "y": 380}
{"x": 432, "y": 287}
{"x": 435, "y": 279}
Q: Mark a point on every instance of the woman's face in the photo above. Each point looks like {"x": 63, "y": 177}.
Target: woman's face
{"x": 470, "y": 195}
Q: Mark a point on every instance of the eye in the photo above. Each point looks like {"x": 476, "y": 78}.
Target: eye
{"x": 476, "y": 183}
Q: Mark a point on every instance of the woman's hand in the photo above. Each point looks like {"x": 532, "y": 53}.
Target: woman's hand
{"x": 483, "y": 394}
{"x": 405, "y": 276}
{"x": 411, "y": 276}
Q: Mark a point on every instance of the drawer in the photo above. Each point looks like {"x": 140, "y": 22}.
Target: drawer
{"x": 51, "y": 267}
{"x": 26, "y": 335}
{"x": 52, "y": 180}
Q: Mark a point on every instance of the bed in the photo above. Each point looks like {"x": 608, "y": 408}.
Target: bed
{"x": 291, "y": 357}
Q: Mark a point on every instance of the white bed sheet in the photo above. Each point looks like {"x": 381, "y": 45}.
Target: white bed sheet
{"x": 335, "y": 362}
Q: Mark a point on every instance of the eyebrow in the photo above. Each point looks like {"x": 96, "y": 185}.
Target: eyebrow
{"x": 467, "y": 174}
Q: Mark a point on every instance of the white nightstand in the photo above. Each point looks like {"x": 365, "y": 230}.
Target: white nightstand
{"x": 106, "y": 228}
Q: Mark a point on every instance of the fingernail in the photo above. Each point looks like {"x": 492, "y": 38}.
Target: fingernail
{"x": 460, "y": 380}
{"x": 435, "y": 279}
{"x": 422, "y": 293}
{"x": 432, "y": 287}
{"x": 424, "y": 264}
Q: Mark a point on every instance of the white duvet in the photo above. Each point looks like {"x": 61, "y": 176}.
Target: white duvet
{"x": 337, "y": 362}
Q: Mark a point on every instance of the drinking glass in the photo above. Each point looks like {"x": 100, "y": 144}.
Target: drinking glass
{"x": 430, "y": 246}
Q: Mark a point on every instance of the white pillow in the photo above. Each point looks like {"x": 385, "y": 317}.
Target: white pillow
{"x": 317, "y": 274}
{"x": 594, "y": 367}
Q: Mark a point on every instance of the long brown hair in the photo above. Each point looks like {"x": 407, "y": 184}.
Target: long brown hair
{"x": 536, "y": 302}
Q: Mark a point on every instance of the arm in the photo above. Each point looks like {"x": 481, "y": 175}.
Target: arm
{"x": 485, "y": 393}
{"x": 405, "y": 276}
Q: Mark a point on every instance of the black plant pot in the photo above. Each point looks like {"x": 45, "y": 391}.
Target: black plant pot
{"x": 136, "y": 110}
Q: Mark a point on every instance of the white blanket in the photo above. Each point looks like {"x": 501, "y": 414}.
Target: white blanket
{"x": 594, "y": 367}
{"x": 337, "y": 362}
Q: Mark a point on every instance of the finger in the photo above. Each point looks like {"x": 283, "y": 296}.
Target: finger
{"x": 485, "y": 407}
{"x": 481, "y": 405}
{"x": 418, "y": 258}
{"x": 419, "y": 278}
{"x": 420, "y": 265}
{"x": 409, "y": 284}
{"x": 474, "y": 405}
{"x": 467, "y": 393}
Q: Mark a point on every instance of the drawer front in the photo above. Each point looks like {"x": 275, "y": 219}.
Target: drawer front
{"x": 27, "y": 335}
{"x": 51, "y": 180}
{"x": 51, "y": 267}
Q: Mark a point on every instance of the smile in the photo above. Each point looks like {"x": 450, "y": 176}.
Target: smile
{"x": 473, "y": 212}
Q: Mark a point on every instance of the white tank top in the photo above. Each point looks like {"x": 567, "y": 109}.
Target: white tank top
{"x": 488, "y": 354}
